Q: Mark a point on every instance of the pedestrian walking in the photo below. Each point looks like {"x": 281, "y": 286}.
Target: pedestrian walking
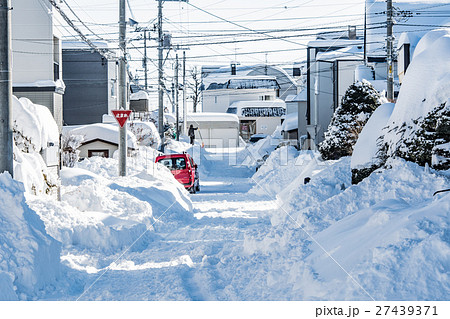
{"x": 191, "y": 133}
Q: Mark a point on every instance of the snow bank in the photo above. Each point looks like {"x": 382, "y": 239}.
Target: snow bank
{"x": 255, "y": 154}
{"x": 402, "y": 252}
{"x": 280, "y": 169}
{"x": 329, "y": 196}
{"x": 145, "y": 132}
{"x": 425, "y": 87}
{"x": 388, "y": 233}
{"x": 35, "y": 130}
{"x": 103, "y": 212}
{"x": 365, "y": 149}
{"x": 29, "y": 257}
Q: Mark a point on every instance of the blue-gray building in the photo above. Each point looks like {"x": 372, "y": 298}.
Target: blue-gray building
{"x": 91, "y": 83}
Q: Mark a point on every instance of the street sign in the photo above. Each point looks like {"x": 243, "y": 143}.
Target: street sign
{"x": 121, "y": 116}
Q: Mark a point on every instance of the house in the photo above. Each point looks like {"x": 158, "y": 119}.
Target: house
{"x": 336, "y": 60}
{"x": 100, "y": 139}
{"x": 297, "y": 104}
{"x": 285, "y": 83}
{"x": 91, "y": 82}
{"x": 331, "y": 64}
{"x": 37, "y": 56}
{"x": 216, "y": 130}
{"x": 258, "y": 117}
{"x": 222, "y": 90}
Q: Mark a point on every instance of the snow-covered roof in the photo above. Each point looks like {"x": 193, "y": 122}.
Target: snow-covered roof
{"x": 215, "y": 74}
{"x": 253, "y": 81}
{"x": 350, "y": 52}
{"x": 69, "y": 45}
{"x": 105, "y": 132}
{"x": 212, "y": 117}
{"x": 58, "y": 84}
{"x": 333, "y": 43}
{"x": 140, "y": 95}
{"x": 257, "y": 103}
{"x": 291, "y": 122}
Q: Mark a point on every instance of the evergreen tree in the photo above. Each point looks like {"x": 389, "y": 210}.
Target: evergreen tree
{"x": 427, "y": 141}
{"x": 358, "y": 103}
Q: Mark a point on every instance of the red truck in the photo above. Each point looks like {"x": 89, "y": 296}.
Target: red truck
{"x": 183, "y": 168}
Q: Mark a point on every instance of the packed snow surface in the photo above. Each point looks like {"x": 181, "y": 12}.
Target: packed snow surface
{"x": 29, "y": 257}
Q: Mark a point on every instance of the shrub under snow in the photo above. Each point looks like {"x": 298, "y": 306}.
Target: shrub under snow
{"x": 419, "y": 128}
{"x": 358, "y": 103}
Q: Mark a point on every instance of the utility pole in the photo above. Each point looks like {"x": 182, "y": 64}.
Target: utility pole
{"x": 160, "y": 73}
{"x": 184, "y": 92}
{"x": 177, "y": 113}
{"x": 145, "y": 60}
{"x": 6, "y": 132}
{"x": 365, "y": 33}
{"x": 160, "y": 77}
{"x": 122, "y": 89}
{"x": 389, "y": 47}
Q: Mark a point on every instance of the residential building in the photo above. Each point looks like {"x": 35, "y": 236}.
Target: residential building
{"x": 36, "y": 56}
{"x": 330, "y": 71}
{"x": 91, "y": 82}
{"x": 222, "y": 90}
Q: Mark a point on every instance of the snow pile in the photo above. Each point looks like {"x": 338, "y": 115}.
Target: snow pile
{"x": 424, "y": 90}
{"x": 402, "y": 253}
{"x": 146, "y": 133}
{"x": 283, "y": 166}
{"x": 29, "y": 257}
{"x": 365, "y": 149}
{"x": 255, "y": 154}
{"x": 34, "y": 131}
{"x": 329, "y": 196}
{"x": 384, "y": 238}
{"x": 104, "y": 212}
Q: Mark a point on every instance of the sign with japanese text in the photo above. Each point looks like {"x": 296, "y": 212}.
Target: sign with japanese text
{"x": 121, "y": 116}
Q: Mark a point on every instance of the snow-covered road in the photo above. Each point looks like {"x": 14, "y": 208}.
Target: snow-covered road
{"x": 193, "y": 262}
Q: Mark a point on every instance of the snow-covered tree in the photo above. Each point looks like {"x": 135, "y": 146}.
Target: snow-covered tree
{"x": 426, "y": 143}
{"x": 358, "y": 103}
{"x": 70, "y": 145}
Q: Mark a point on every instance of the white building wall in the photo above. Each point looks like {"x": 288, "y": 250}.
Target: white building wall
{"x": 113, "y": 85}
{"x": 32, "y": 41}
{"x": 96, "y": 145}
{"x": 220, "y": 100}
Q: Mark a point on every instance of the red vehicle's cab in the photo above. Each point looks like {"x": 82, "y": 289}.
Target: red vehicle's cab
{"x": 183, "y": 169}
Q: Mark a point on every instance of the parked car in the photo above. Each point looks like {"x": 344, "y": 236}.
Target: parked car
{"x": 183, "y": 168}
{"x": 256, "y": 137}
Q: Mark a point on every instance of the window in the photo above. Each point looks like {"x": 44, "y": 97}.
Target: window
{"x": 55, "y": 71}
{"x": 167, "y": 162}
{"x": 215, "y": 99}
{"x": 101, "y": 153}
{"x": 180, "y": 163}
